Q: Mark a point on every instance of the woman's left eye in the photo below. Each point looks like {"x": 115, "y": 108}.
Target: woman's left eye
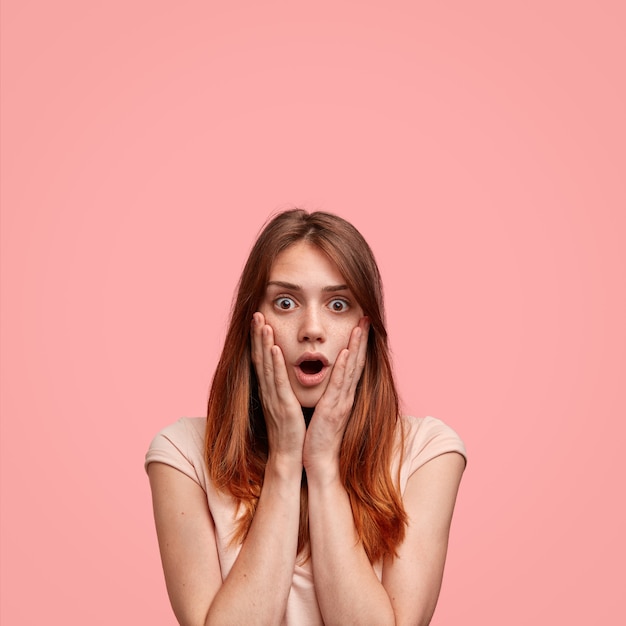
{"x": 338, "y": 306}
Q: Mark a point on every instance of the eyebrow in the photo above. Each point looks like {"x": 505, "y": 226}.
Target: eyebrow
{"x": 293, "y": 287}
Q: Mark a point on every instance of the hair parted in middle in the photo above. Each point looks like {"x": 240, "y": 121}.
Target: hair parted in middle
{"x": 236, "y": 445}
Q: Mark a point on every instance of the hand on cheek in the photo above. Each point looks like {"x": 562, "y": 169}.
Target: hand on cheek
{"x": 325, "y": 432}
{"x": 282, "y": 411}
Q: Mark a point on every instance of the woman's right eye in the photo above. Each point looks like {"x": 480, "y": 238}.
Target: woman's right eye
{"x": 284, "y": 304}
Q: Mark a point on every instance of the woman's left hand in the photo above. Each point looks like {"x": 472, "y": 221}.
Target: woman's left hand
{"x": 325, "y": 432}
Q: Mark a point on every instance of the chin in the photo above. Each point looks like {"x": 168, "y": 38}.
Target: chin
{"x": 308, "y": 400}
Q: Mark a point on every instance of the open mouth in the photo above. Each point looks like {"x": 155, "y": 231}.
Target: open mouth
{"x": 311, "y": 367}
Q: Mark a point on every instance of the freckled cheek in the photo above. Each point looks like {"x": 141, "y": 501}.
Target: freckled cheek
{"x": 344, "y": 332}
{"x": 283, "y": 331}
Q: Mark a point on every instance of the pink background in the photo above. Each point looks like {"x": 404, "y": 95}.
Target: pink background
{"x": 479, "y": 147}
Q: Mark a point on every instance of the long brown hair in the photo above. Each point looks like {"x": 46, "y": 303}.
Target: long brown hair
{"x": 236, "y": 439}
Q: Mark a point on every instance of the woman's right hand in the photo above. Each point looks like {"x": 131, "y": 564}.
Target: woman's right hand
{"x": 285, "y": 424}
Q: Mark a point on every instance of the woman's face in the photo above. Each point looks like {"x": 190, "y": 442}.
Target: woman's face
{"x": 312, "y": 313}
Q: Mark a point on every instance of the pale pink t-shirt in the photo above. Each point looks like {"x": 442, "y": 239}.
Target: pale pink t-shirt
{"x": 181, "y": 445}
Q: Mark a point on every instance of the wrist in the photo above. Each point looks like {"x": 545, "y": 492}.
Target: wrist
{"x": 283, "y": 467}
{"x": 322, "y": 472}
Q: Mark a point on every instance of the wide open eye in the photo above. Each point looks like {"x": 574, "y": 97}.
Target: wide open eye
{"x": 284, "y": 304}
{"x": 338, "y": 305}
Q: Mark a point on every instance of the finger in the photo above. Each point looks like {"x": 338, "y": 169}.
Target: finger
{"x": 334, "y": 406}
{"x": 353, "y": 352}
{"x": 365, "y": 325}
{"x": 261, "y": 344}
{"x": 361, "y": 353}
{"x": 267, "y": 342}
{"x": 337, "y": 376}
{"x": 350, "y": 367}
{"x": 345, "y": 364}
{"x": 256, "y": 351}
{"x": 281, "y": 378}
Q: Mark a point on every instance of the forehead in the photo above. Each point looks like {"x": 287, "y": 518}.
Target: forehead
{"x": 303, "y": 262}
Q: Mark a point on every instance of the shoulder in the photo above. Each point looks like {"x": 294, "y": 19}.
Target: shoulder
{"x": 424, "y": 439}
{"x": 181, "y": 445}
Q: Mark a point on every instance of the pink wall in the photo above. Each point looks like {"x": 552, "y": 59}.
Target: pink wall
{"x": 481, "y": 150}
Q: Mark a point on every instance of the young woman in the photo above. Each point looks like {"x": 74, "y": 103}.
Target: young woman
{"x": 305, "y": 497}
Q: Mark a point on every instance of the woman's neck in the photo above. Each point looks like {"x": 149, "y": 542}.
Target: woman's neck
{"x": 308, "y": 414}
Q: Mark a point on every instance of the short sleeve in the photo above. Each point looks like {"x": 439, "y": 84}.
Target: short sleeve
{"x": 425, "y": 439}
{"x": 180, "y": 445}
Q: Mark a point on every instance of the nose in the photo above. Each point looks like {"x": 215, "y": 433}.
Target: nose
{"x": 311, "y": 326}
